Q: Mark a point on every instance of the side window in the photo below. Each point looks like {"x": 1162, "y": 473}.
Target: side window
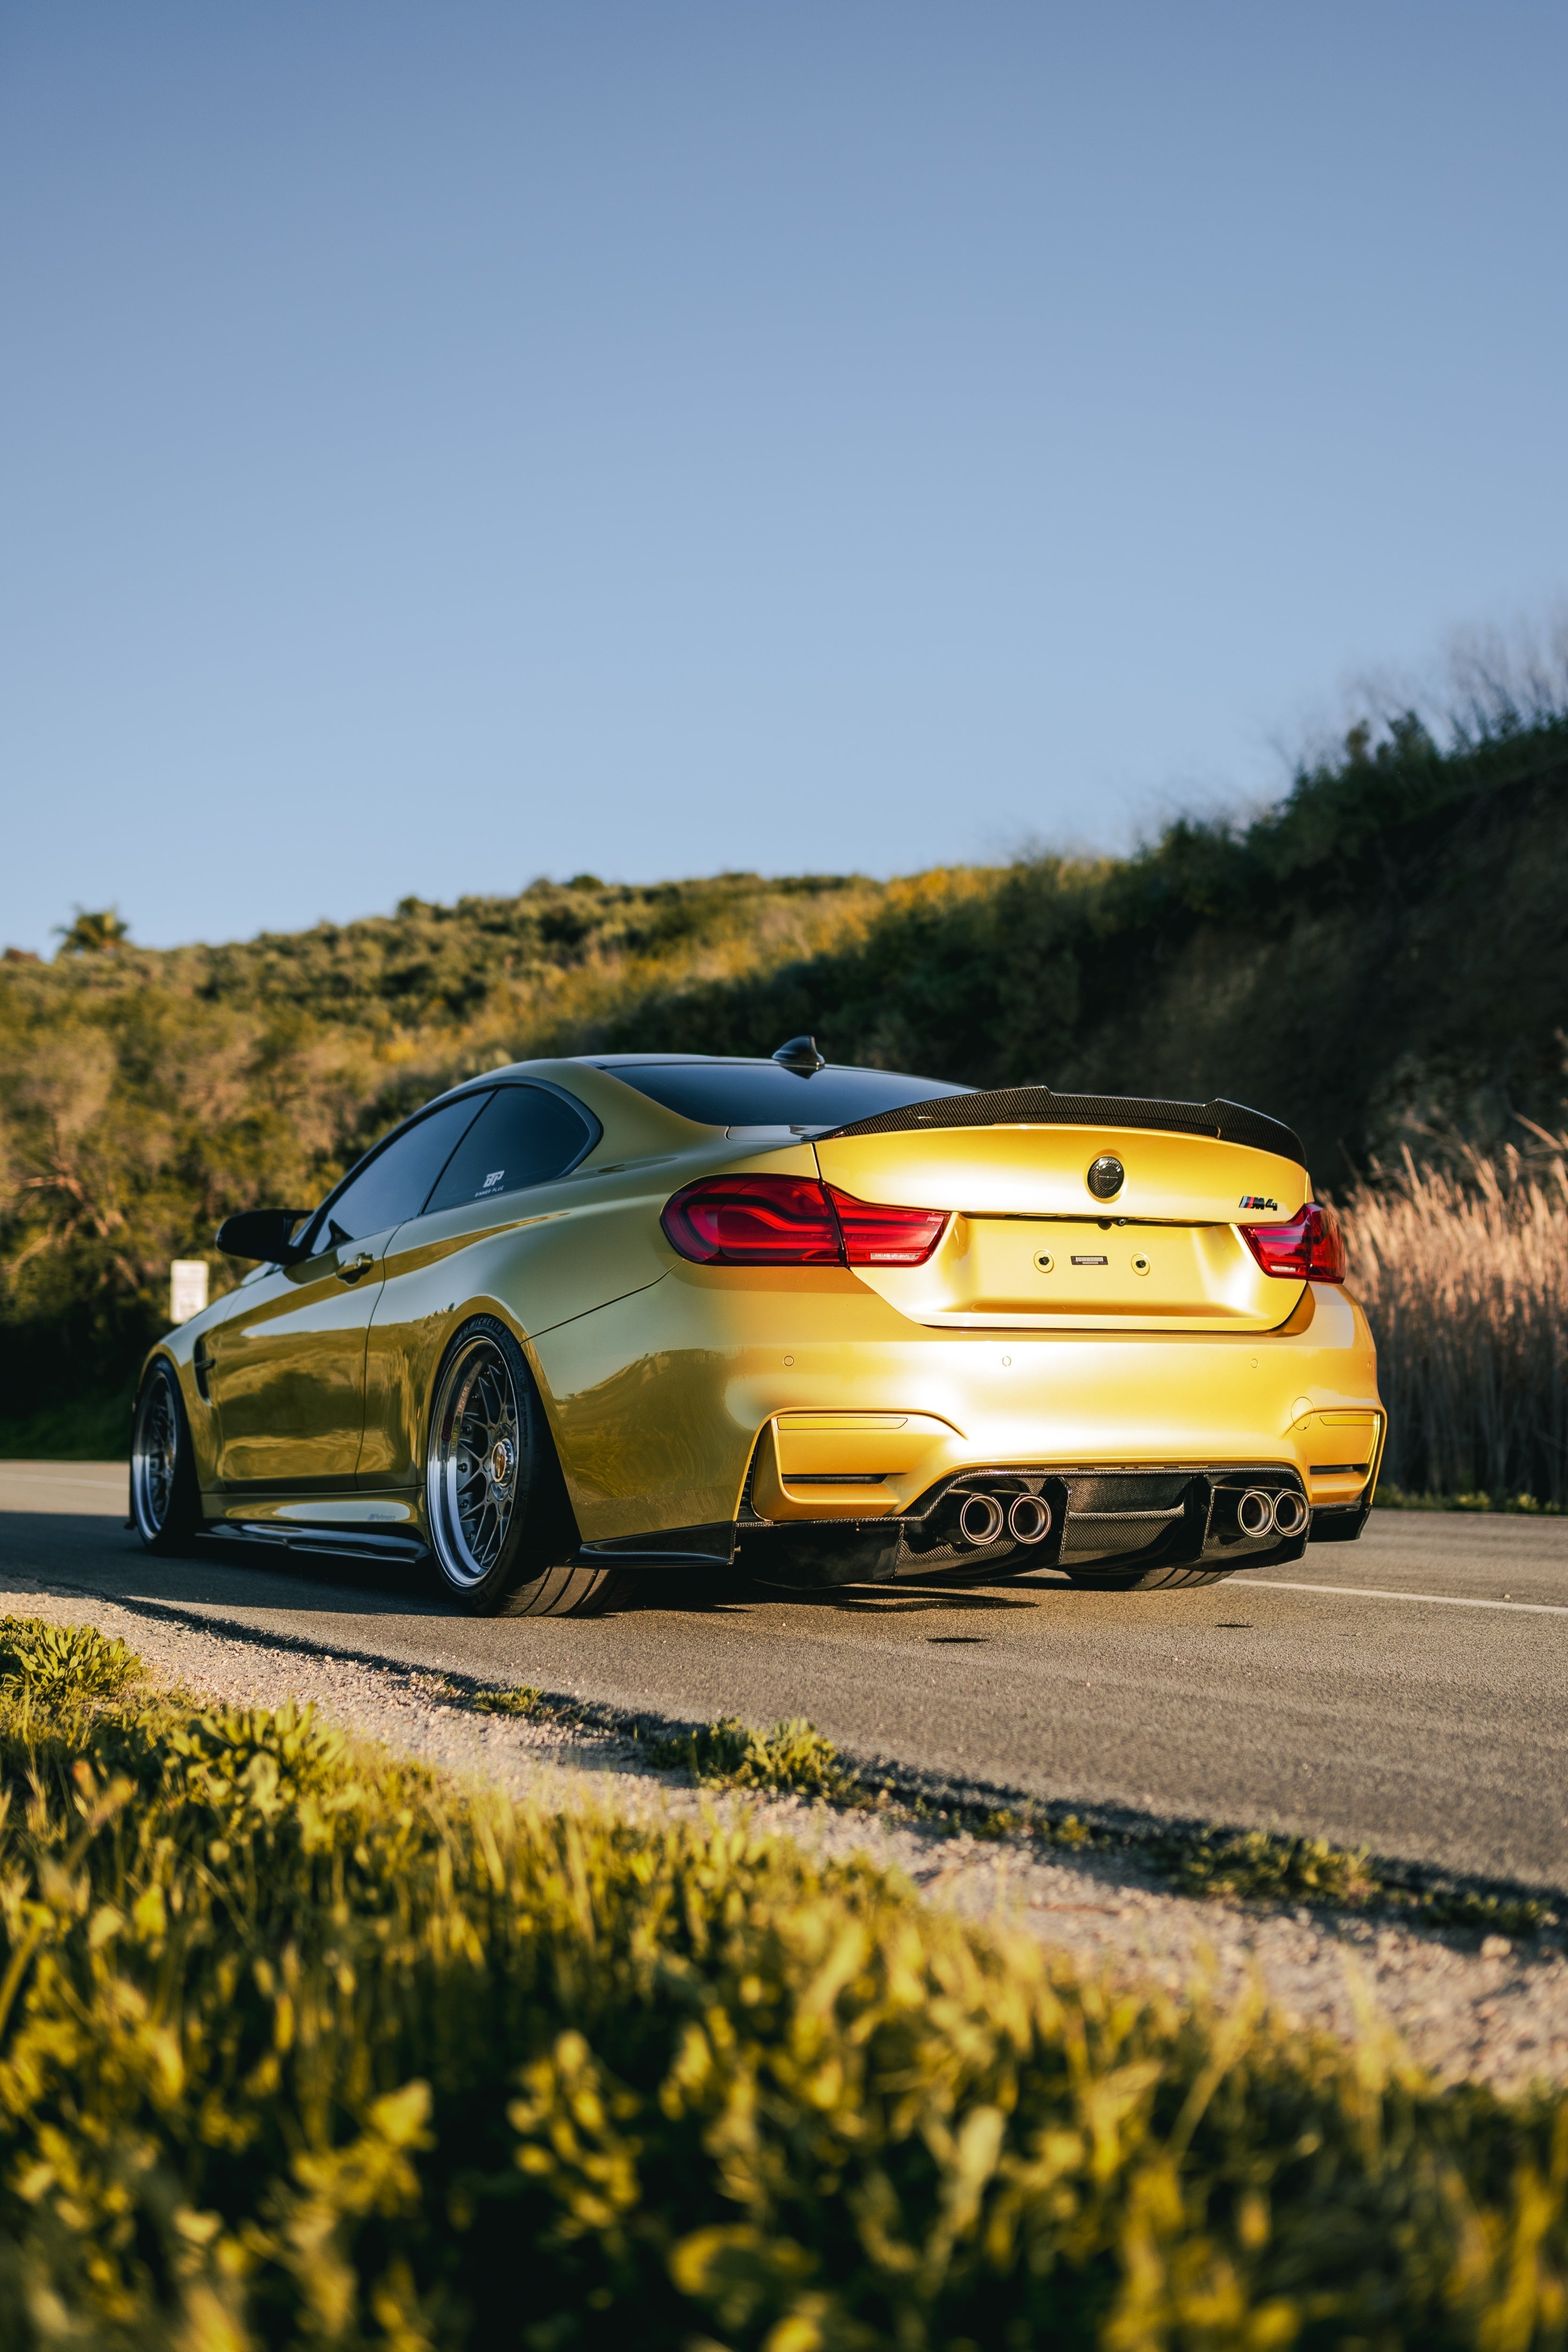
{"x": 392, "y": 1185}
{"x": 523, "y": 1136}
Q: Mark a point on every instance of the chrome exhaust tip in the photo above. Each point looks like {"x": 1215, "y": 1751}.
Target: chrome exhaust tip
{"x": 1029, "y": 1520}
{"x": 1255, "y": 1512}
{"x": 1289, "y": 1512}
{"x": 979, "y": 1520}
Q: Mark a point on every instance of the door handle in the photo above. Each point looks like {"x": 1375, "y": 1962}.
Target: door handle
{"x": 356, "y": 1266}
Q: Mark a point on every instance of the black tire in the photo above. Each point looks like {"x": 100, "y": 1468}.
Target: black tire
{"x": 166, "y": 1501}
{"x": 1143, "y": 1580}
{"x": 501, "y": 1524}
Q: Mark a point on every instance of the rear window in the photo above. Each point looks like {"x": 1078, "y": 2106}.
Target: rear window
{"x": 764, "y": 1094}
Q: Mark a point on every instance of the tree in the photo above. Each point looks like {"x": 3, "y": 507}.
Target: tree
{"x": 95, "y": 934}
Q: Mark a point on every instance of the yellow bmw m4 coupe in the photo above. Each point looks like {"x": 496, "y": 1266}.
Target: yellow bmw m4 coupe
{"x": 817, "y": 1325}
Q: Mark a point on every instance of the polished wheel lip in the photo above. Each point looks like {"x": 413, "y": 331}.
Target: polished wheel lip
{"x": 470, "y": 1479}
{"x": 154, "y": 1456}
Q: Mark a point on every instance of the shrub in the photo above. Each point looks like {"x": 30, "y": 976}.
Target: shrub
{"x": 66, "y": 1660}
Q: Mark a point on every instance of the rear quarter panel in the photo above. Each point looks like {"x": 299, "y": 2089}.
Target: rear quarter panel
{"x": 566, "y": 1254}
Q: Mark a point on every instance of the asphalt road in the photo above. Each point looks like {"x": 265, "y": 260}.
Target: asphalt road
{"x": 1409, "y": 1691}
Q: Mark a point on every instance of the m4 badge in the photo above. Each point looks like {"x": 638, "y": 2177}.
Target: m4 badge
{"x": 1256, "y": 1201}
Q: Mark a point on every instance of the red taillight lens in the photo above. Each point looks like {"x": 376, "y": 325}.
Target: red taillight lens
{"x": 793, "y": 1221}
{"x": 875, "y": 1236}
{"x": 1311, "y": 1248}
{"x": 754, "y": 1221}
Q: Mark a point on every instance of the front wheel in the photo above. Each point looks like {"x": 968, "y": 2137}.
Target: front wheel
{"x": 166, "y": 1501}
{"x": 501, "y": 1525}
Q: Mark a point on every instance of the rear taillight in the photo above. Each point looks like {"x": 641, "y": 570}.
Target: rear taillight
{"x": 876, "y": 1235}
{"x": 1311, "y": 1248}
{"x": 793, "y": 1221}
{"x": 754, "y": 1221}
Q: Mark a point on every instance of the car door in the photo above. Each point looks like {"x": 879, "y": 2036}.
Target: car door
{"x": 528, "y": 1136}
{"x": 285, "y": 1372}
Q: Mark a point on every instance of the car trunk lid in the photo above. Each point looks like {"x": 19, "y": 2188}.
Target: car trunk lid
{"x": 1029, "y": 1243}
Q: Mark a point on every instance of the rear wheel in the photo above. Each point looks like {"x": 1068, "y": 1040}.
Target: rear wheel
{"x": 165, "y": 1501}
{"x": 501, "y": 1525}
{"x": 1142, "y": 1580}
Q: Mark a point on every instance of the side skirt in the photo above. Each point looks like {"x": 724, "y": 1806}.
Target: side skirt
{"x": 706, "y": 1546}
{"x": 330, "y": 1543}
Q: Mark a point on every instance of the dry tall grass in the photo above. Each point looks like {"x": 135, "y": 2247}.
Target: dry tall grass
{"x": 1464, "y": 1274}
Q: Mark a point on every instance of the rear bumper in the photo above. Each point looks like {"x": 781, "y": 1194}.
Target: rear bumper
{"x": 1093, "y": 1521}
{"x": 660, "y": 1402}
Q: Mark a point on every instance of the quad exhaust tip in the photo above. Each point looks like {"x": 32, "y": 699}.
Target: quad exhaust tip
{"x": 1289, "y": 1512}
{"x": 1029, "y": 1520}
{"x": 1260, "y": 1513}
{"x": 1255, "y": 1512}
{"x": 982, "y": 1519}
{"x": 979, "y": 1520}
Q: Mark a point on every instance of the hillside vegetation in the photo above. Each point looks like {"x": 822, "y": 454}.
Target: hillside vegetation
{"x": 1384, "y": 955}
{"x": 300, "y": 2046}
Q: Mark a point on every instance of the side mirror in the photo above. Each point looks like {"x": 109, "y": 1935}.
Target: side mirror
{"x": 265, "y": 1234}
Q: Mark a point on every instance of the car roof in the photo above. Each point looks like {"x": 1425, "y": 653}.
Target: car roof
{"x": 679, "y": 1061}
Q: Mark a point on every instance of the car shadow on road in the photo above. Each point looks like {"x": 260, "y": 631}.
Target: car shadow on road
{"x": 719, "y": 1591}
{"x": 876, "y": 1603}
{"x": 97, "y": 1554}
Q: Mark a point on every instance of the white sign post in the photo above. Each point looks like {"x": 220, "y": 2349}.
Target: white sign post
{"x": 187, "y": 1287}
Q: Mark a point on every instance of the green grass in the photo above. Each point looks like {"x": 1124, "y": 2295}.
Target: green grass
{"x": 301, "y": 2047}
{"x": 1258, "y": 1866}
{"x": 91, "y": 1429}
{"x": 792, "y": 1758}
{"x": 1398, "y": 1498}
{"x": 525, "y": 1700}
{"x": 1238, "y": 1865}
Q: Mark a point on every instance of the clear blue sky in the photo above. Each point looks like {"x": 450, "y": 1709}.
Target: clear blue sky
{"x": 447, "y": 444}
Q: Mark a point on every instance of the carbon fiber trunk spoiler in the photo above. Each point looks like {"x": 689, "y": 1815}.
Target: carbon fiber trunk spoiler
{"x": 1226, "y": 1122}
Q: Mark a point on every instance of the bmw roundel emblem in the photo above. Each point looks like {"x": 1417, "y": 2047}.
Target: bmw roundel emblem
{"x": 1106, "y": 1176}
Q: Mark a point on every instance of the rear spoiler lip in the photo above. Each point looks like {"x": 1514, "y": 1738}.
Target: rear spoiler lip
{"x": 1225, "y": 1122}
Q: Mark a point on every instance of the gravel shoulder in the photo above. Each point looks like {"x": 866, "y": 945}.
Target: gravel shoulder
{"x": 1404, "y": 1693}
{"x": 1465, "y": 2006}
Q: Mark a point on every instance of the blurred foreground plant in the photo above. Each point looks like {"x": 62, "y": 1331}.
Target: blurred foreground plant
{"x": 303, "y": 2048}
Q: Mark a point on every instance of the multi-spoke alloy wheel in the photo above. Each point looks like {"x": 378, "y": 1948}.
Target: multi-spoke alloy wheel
{"x": 164, "y": 1499}
{"x": 474, "y": 1461}
{"x": 499, "y": 1523}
